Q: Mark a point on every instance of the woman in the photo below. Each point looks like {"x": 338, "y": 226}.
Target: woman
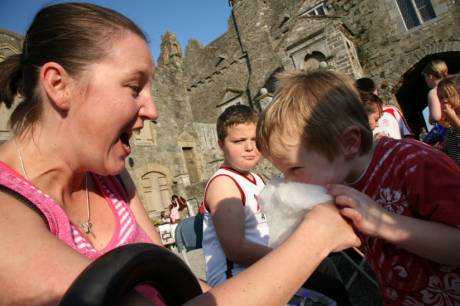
{"x": 85, "y": 76}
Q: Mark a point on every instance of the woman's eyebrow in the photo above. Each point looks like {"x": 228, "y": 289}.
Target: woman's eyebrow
{"x": 142, "y": 75}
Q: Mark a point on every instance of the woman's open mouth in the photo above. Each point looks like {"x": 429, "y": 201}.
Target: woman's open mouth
{"x": 124, "y": 138}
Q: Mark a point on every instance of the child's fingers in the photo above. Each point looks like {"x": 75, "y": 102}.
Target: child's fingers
{"x": 337, "y": 190}
{"x": 344, "y": 200}
{"x": 351, "y": 214}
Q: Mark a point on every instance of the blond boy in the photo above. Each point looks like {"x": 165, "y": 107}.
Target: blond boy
{"x": 402, "y": 195}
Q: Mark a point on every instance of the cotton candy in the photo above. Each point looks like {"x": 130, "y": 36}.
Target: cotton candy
{"x": 285, "y": 204}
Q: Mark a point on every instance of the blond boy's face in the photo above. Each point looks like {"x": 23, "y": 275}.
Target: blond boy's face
{"x": 239, "y": 147}
{"x": 299, "y": 164}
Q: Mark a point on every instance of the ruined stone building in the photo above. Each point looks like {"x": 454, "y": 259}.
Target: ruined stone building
{"x": 388, "y": 40}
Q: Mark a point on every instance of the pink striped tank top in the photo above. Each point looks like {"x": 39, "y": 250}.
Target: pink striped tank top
{"x": 127, "y": 230}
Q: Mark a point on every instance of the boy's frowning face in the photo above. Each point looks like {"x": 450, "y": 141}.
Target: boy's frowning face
{"x": 239, "y": 147}
{"x": 299, "y": 164}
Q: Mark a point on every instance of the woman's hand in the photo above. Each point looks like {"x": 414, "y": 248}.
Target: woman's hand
{"x": 332, "y": 227}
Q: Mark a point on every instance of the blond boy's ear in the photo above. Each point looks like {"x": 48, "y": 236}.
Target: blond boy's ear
{"x": 351, "y": 142}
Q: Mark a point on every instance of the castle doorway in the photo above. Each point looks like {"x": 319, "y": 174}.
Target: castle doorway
{"x": 191, "y": 164}
{"x": 156, "y": 193}
{"x": 412, "y": 90}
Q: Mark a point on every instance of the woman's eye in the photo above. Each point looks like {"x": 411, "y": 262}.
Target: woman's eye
{"x": 135, "y": 90}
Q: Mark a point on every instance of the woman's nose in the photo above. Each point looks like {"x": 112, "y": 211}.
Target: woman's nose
{"x": 148, "y": 110}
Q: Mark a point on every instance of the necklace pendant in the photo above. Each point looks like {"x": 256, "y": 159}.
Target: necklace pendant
{"x": 86, "y": 226}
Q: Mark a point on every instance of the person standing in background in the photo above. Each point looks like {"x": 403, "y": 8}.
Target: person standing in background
{"x": 392, "y": 122}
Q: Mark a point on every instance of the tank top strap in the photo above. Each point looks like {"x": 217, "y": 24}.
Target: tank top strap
{"x": 58, "y": 223}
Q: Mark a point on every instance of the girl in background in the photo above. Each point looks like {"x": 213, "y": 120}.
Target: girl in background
{"x": 374, "y": 108}
{"x": 448, "y": 94}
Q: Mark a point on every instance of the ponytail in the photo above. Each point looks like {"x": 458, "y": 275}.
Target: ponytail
{"x": 10, "y": 79}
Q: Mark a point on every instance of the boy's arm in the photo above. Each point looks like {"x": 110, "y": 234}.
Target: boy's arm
{"x": 427, "y": 239}
{"x": 434, "y": 106}
{"x": 226, "y": 207}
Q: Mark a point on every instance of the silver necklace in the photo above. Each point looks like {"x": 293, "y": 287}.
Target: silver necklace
{"x": 85, "y": 226}
{"x": 20, "y": 160}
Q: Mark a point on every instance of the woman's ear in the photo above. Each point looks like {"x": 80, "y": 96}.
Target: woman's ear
{"x": 56, "y": 84}
{"x": 351, "y": 142}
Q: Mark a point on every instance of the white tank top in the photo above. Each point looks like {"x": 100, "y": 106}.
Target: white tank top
{"x": 218, "y": 266}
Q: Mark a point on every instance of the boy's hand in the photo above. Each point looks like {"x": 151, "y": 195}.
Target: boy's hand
{"x": 335, "y": 230}
{"x": 364, "y": 213}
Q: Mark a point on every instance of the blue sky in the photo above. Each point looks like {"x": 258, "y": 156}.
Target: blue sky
{"x": 204, "y": 20}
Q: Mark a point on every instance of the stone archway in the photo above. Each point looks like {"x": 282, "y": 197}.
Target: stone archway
{"x": 411, "y": 90}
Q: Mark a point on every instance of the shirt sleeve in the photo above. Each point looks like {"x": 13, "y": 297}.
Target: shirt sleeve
{"x": 389, "y": 126}
{"x": 433, "y": 185}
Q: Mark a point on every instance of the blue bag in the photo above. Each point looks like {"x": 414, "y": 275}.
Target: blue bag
{"x": 435, "y": 135}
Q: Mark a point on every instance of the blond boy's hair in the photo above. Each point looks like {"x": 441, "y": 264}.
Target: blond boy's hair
{"x": 318, "y": 106}
{"x": 437, "y": 68}
{"x": 451, "y": 87}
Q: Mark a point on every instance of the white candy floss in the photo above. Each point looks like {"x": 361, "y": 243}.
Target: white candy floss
{"x": 285, "y": 204}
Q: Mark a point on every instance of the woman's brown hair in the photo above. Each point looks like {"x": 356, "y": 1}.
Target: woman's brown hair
{"x": 70, "y": 34}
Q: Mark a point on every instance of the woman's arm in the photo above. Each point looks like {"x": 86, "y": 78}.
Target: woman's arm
{"x": 36, "y": 268}
{"x": 274, "y": 279}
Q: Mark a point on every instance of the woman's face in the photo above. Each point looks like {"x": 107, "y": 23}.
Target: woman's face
{"x": 113, "y": 97}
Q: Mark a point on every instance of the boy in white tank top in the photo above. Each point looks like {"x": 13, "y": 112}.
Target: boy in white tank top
{"x": 235, "y": 232}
